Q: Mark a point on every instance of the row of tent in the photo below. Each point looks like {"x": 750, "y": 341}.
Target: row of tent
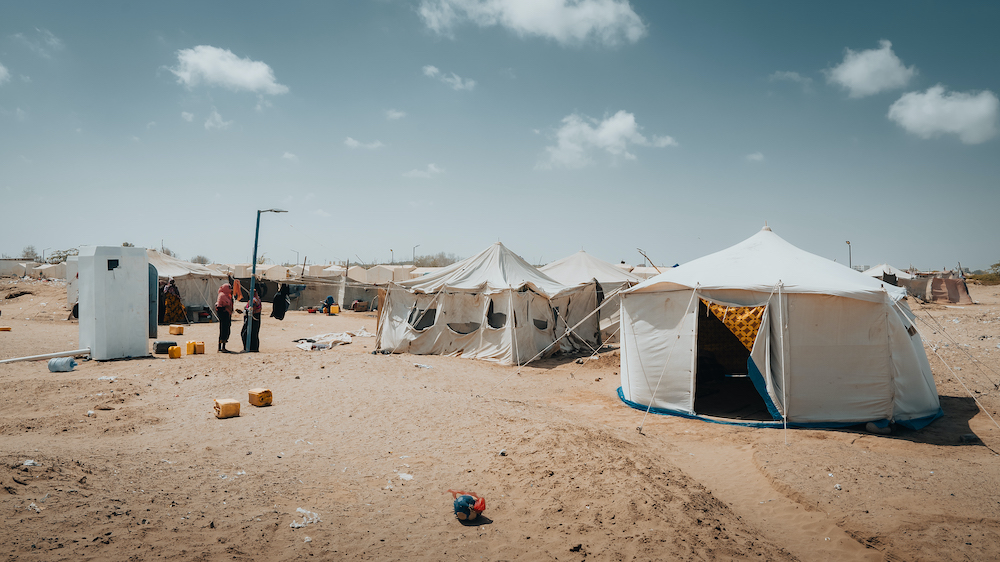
{"x": 762, "y": 331}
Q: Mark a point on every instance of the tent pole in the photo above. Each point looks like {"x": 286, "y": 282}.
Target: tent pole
{"x": 784, "y": 369}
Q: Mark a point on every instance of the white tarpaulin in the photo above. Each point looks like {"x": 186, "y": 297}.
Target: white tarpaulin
{"x": 466, "y": 309}
{"x": 830, "y": 345}
{"x": 581, "y": 267}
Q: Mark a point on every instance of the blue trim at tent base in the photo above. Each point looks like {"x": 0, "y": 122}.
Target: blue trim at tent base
{"x": 916, "y": 423}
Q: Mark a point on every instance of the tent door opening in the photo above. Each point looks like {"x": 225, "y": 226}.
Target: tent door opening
{"x": 722, "y": 385}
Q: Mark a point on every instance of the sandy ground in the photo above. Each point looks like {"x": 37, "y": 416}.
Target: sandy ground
{"x": 368, "y": 445}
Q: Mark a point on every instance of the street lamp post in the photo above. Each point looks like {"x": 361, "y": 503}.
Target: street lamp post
{"x": 43, "y": 254}
{"x": 850, "y": 264}
{"x": 414, "y": 259}
{"x": 253, "y": 274}
{"x": 392, "y": 257}
{"x": 296, "y": 256}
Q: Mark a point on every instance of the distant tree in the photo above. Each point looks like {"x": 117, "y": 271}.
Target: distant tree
{"x": 128, "y": 245}
{"x": 30, "y": 254}
{"x": 200, "y": 259}
{"x": 167, "y": 251}
{"x": 60, "y": 256}
{"x": 995, "y": 268}
{"x": 439, "y": 259}
{"x": 262, "y": 259}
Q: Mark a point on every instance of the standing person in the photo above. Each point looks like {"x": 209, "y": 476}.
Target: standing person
{"x": 173, "y": 307}
{"x": 224, "y": 309}
{"x": 256, "y": 307}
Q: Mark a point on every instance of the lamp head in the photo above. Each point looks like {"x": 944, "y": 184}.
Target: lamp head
{"x": 273, "y": 211}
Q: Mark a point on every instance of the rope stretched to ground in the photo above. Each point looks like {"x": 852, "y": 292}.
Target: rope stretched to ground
{"x": 975, "y": 361}
{"x": 548, "y": 347}
{"x": 955, "y": 374}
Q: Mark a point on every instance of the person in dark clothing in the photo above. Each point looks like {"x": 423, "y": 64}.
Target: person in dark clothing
{"x": 224, "y": 309}
{"x": 280, "y": 303}
{"x": 255, "y": 306}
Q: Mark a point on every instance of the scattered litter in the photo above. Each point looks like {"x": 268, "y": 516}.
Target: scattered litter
{"x": 323, "y": 341}
{"x": 107, "y": 378}
{"x": 30, "y": 462}
{"x": 307, "y": 518}
{"x": 62, "y": 364}
{"x": 955, "y": 320}
{"x": 308, "y": 539}
{"x": 503, "y": 452}
{"x": 405, "y": 476}
{"x": 362, "y": 333}
{"x": 35, "y": 508}
{"x": 830, "y": 475}
{"x": 837, "y": 487}
{"x": 421, "y": 366}
{"x": 90, "y": 413}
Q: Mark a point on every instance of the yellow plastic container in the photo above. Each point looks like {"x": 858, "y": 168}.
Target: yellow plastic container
{"x": 227, "y": 408}
{"x": 4, "y": 328}
{"x": 174, "y": 352}
{"x": 199, "y": 347}
{"x": 191, "y": 348}
{"x": 176, "y": 330}
{"x": 260, "y": 397}
{"x": 335, "y": 309}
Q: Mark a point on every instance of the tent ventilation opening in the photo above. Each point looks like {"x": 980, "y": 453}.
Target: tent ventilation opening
{"x": 496, "y": 320}
{"x": 722, "y": 387}
{"x": 422, "y": 319}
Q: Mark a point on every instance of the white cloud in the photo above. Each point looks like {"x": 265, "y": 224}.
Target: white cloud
{"x": 134, "y": 138}
{"x": 215, "y": 121}
{"x": 393, "y": 115}
{"x": 4, "y": 74}
{"x": 357, "y": 144}
{"x": 789, "y": 76}
{"x": 21, "y": 114}
{"x": 580, "y": 135}
{"x": 220, "y": 67}
{"x": 454, "y": 80}
{"x": 290, "y": 157}
{"x": 458, "y": 83}
{"x": 262, "y": 103}
{"x": 321, "y": 213}
{"x": 150, "y": 125}
{"x": 972, "y": 117}
{"x": 608, "y": 22}
{"x": 44, "y": 45}
{"x": 755, "y": 157}
{"x": 432, "y": 170}
{"x": 25, "y": 79}
{"x": 870, "y": 72}
{"x": 187, "y": 116}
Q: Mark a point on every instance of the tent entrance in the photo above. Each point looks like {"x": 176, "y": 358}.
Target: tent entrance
{"x": 722, "y": 386}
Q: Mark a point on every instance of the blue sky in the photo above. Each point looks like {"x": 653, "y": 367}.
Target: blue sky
{"x": 550, "y": 125}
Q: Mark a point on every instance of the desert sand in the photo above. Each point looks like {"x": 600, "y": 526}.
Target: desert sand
{"x": 354, "y": 458}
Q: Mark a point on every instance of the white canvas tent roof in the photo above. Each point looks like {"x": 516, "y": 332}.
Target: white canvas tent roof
{"x": 492, "y": 270}
{"x": 582, "y": 267}
{"x": 762, "y": 261}
{"x": 884, "y": 268}
{"x": 830, "y": 346}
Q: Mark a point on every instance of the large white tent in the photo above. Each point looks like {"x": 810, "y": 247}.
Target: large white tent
{"x": 766, "y": 331}
{"x": 198, "y": 284}
{"x": 492, "y": 306}
{"x": 582, "y": 267}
